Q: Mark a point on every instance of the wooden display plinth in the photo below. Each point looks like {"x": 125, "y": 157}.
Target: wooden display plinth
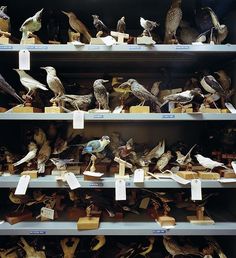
{"x": 4, "y": 25}
{"x": 139, "y": 109}
{"x": 16, "y": 217}
{"x": 54, "y": 42}
{"x": 33, "y": 173}
{"x": 53, "y": 109}
{"x": 198, "y": 168}
{"x": 120, "y": 37}
{"x": 30, "y": 41}
{"x": 74, "y": 213}
{"x": 96, "y": 41}
{"x": 2, "y": 109}
{"x": 4, "y": 40}
{"x": 188, "y": 175}
{"x": 209, "y": 175}
{"x": 144, "y": 40}
{"x": 26, "y": 110}
{"x": 86, "y": 223}
{"x": 210, "y": 110}
{"x": 181, "y": 110}
{"x": 166, "y": 221}
{"x": 227, "y": 173}
{"x": 205, "y": 220}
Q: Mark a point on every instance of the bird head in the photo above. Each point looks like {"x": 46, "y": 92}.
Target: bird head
{"x": 131, "y": 81}
{"x": 105, "y": 138}
{"x": 95, "y": 17}
{"x": 123, "y": 18}
{"x": 3, "y": 8}
{"x": 38, "y": 15}
{"x": 20, "y": 72}
{"x": 68, "y": 14}
{"x": 32, "y": 146}
{"x": 49, "y": 69}
{"x": 100, "y": 81}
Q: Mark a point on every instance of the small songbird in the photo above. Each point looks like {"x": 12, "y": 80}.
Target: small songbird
{"x": 142, "y": 93}
{"x": 97, "y": 243}
{"x": 31, "y": 25}
{"x": 96, "y": 146}
{"x": 148, "y": 25}
{"x": 78, "y": 101}
{"x": 173, "y": 18}
{"x": 78, "y": 26}
{"x": 99, "y": 25}
{"x": 121, "y": 25}
{"x": 32, "y": 148}
{"x": 208, "y": 163}
{"x": 183, "y": 160}
{"x": 223, "y": 79}
{"x": 61, "y": 163}
{"x": 54, "y": 83}
{"x": 43, "y": 156}
{"x": 125, "y": 150}
{"x": 156, "y": 152}
{"x": 7, "y": 88}
{"x": 163, "y": 161}
{"x": 101, "y": 94}
{"x": 29, "y": 82}
{"x": 211, "y": 85}
{"x": 3, "y": 14}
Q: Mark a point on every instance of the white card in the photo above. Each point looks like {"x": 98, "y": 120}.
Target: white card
{"x": 118, "y": 109}
{"x": 22, "y": 185}
{"x": 24, "y": 59}
{"x": 179, "y": 179}
{"x": 196, "y": 190}
{"x": 144, "y": 203}
{"x": 139, "y": 176}
{"x": 47, "y": 213}
{"x": 72, "y": 180}
{"x": 109, "y": 40}
{"x": 233, "y": 164}
{"x": 120, "y": 190}
{"x": 171, "y": 105}
{"x": 230, "y": 107}
{"x": 78, "y": 120}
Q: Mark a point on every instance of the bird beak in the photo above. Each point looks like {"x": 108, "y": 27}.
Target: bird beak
{"x": 43, "y": 68}
{"x": 67, "y": 14}
{"x": 104, "y": 81}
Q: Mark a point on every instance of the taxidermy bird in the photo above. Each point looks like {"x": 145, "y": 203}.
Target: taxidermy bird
{"x": 32, "y": 148}
{"x": 173, "y": 18}
{"x": 121, "y": 25}
{"x": 31, "y": 25}
{"x": 215, "y": 246}
{"x": 208, "y": 163}
{"x": 78, "y": 26}
{"x": 188, "y": 34}
{"x": 125, "y": 150}
{"x": 54, "y": 83}
{"x": 183, "y": 160}
{"x": 39, "y": 136}
{"x": 148, "y": 25}
{"x": 156, "y": 152}
{"x": 101, "y": 94}
{"x": 223, "y": 79}
{"x": 156, "y": 88}
{"x": 29, "y": 82}
{"x": 99, "y": 25}
{"x": 211, "y": 85}
{"x": 69, "y": 246}
{"x": 78, "y": 101}
{"x": 143, "y": 94}
{"x": 7, "y": 88}
{"x": 61, "y": 163}
{"x": 96, "y": 146}
{"x": 3, "y": 14}
{"x": 43, "y": 156}
{"x": 163, "y": 161}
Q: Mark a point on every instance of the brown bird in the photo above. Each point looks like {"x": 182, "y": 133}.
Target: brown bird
{"x": 101, "y": 94}
{"x": 99, "y": 25}
{"x": 223, "y": 79}
{"x": 78, "y": 101}
{"x": 173, "y": 18}
{"x": 121, "y": 25}
{"x": 78, "y": 26}
{"x": 188, "y": 34}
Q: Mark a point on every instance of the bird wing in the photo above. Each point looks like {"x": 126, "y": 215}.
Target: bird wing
{"x": 210, "y": 80}
{"x": 30, "y": 82}
{"x": 29, "y": 156}
{"x": 157, "y": 151}
{"x": 57, "y": 85}
{"x": 189, "y": 152}
{"x": 26, "y": 23}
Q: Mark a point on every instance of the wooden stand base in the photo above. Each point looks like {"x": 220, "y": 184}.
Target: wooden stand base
{"x": 181, "y": 110}
{"x": 92, "y": 176}
{"x": 4, "y": 40}
{"x": 198, "y": 168}
{"x": 2, "y": 109}
{"x": 227, "y": 173}
{"x": 26, "y": 110}
{"x": 209, "y": 175}
{"x": 188, "y": 175}
{"x": 86, "y": 223}
{"x": 205, "y": 220}
{"x": 166, "y": 221}
{"x": 118, "y": 176}
{"x": 4, "y": 25}
{"x": 30, "y": 41}
{"x": 16, "y": 217}
{"x": 139, "y": 109}
{"x": 53, "y": 109}
{"x": 33, "y": 173}
{"x": 96, "y": 41}
{"x": 145, "y": 41}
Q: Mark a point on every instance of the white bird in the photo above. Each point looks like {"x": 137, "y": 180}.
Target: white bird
{"x": 208, "y": 163}
{"x": 148, "y": 25}
{"x": 54, "y": 83}
{"x": 183, "y": 160}
{"x": 43, "y": 156}
{"x": 32, "y": 147}
{"x": 29, "y": 82}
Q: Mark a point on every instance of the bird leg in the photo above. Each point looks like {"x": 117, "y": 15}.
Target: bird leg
{"x": 211, "y": 35}
{"x": 142, "y": 103}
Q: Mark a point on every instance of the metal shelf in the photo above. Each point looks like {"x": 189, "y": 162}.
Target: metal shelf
{"x": 121, "y": 117}
{"x": 116, "y": 228}
{"x": 107, "y": 182}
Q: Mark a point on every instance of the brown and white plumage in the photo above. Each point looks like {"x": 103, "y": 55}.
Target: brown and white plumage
{"x": 78, "y": 101}
{"x": 148, "y": 25}
{"x": 101, "y": 94}
{"x": 43, "y": 156}
{"x": 121, "y": 25}
{"x": 184, "y": 159}
{"x": 211, "y": 85}
{"x": 223, "y": 79}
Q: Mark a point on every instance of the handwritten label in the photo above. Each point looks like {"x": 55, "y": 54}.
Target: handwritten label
{"x": 47, "y": 213}
{"x": 24, "y": 59}
{"x": 179, "y": 179}
{"x": 196, "y": 190}
{"x": 78, "y": 120}
{"x": 139, "y": 176}
{"x": 120, "y": 191}
{"x": 72, "y": 181}
{"x": 22, "y": 185}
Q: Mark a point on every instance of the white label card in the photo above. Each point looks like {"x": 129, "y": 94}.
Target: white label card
{"x": 24, "y": 59}
{"x": 171, "y": 105}
{"x": 120, "y": 190}
{"x": 109, "y": 40}
{"x": 196, "y": 190}
{"x": 22, "y": 185}
{"x": 139, "y": 176}
{"x": 179, "y": 179}
{"x": 233, "y": 164}
{"x": 72, "y": 181}
{"x": 47, "y": 213}
{"x": 78, "y": 120}
{"x": 144, "y": 203}
{"x": 118, "y": 110}
{"x": 230, "y": 107}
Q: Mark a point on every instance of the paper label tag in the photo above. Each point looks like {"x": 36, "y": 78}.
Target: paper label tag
{"x": 22, "y": 185}
{"x": 196, "y": 190}
{"x": 118, "y": 110}
{"x": 47, "y": 213}
{"x": 120, "y": 190}
{"x": 24, "y": 59}
{"x": 72, "y": 180}
{"x": 171, "y": 105}
{"x": 230, "y": 107}
{"x": 144, "y": 203}
{"x": 227, "y": 180}
{"x": 180, "y": 180}
{"x": 233, "y": 164}
{"x": 108, "y": 41}
{"x": 78, "y": 120}
{"x": 139, "y": 176}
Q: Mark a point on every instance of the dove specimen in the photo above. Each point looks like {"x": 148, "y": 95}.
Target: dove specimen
{"x": 78, "y": 101}
{"x": 7, "y": 88}
{"x": 101, "y": 94}
{"x": 173, "y": 18}
{"x": 183, "y": 160}
{"x": 43, "y": 156}
{"x": 31, "y": 25}
{"x": 29, "y": 82}
{"x": 54, "y": 83}
{"x": 78, "y": 26}
{"x": 125, "y": 150}
{"x": 99, "y": 25}
{"x": 163, "y": 161}
{"x": 141, "y": 93}
{"x": 148, "y": 25}
{"x": 121, "y": 25}
{"x": 3, "y": 14}
{"x": 211, "y": 85}
{"x": 32, "y": 148}
{"x": 96, "y": 146}
{"x": 30, "y": 250}
{"x": 208, "y": 163}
